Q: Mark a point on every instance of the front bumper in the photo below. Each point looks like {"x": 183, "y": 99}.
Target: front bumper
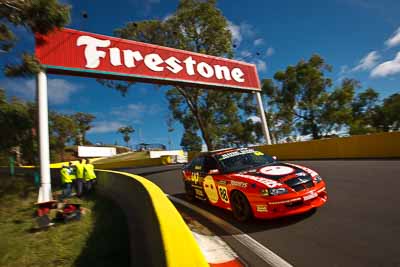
{"x": 292, "y": 204}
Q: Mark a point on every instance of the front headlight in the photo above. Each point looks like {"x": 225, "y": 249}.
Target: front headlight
{"x": 278, "y": 191}
{"x": 318, "y": 179}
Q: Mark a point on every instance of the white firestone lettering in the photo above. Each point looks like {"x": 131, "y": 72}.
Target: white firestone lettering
{"x": 173, "y": 64}
{"x": 92, "y": 55}
{"x": 152, "y": 61}
{"x": 130, "y": 57}
{"x": 222, "y": 72}
{"x": 115, "y": 56}
{"x": 237, "y": 75}
{"x": 205, "y": 70}
{"x": 189, "y": 62}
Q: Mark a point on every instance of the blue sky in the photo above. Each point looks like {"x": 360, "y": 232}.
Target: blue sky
{"x": 359, "y": 38}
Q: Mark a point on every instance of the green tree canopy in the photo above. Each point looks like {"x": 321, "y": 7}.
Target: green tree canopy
{"x": 62, "y": 129}
{"x": 126, "y": 133}
{"x": 302, "y": 101}
{"x": 200, "y": 27}
{"x": 364, "y": 112}
{"x": 39, "y": 16}
{"x": 83, "y": 122}
{"x": 387, "y": 116}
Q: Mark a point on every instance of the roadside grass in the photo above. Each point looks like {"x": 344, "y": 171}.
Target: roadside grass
{"x": 100, "y": 238}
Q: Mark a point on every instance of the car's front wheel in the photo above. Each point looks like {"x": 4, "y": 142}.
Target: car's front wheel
{"x": 240, "y": 206}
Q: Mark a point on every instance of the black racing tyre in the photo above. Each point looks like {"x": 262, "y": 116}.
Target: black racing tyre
{"x": 190, "y": 194}
{"x": 240, "y": 206}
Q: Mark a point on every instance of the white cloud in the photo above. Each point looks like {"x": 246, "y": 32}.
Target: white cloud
{"x": 105, "y": 127}
{"x": 135, "y": 112}
{"x": 235, "y": 30}
{"x": 59, "y": 90}
{"x": 258, "y": 41}
{"x": 387, "y": 68}
{"x": 243, "y": 30}
{"x": 270, "y": 51}
{"x": 261, "y": 65}
{"x": 367, "y": 62}
{"x": 254, "y": 119}
{"x": 394, "y": 39}
{"x": 167, "y": 17}
{"x": 343, "y": 69}
{"x": 245, "y": 53}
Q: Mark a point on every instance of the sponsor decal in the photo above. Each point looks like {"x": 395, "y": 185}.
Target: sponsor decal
{"x": 262, "y": 208}
{"x": 199, "y": 192}
{"x": 276, "y": 170}
{"x": 321, "y": 190}
{"x": 310, "y": 196}
{"x": 311, "y": 172}
{"x": 258, "y": 153}
{"x": 239, "y": 184}
{"x": 195, "y": 177}
{"x": 210, "y": 189}
{"x": 236, "y": 153}
{"x": 301, "y": 174}
{"x": 223, "y": 193}
{"x": 269, "y": 183}
{"x": 284, "y": 201}
{"x": 73, "y": 52}
{"x": 222, "y": 182}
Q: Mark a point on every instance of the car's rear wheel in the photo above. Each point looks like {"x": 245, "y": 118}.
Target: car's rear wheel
{"x": 240, "y": 206}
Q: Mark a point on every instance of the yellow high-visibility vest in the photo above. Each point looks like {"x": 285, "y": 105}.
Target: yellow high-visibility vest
{"x": 79, "y": 170}
{"x": 65, "y": 177}
{"x": 89, "y": 173}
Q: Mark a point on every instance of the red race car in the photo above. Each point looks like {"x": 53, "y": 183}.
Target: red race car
{"x": 251, "y": 183}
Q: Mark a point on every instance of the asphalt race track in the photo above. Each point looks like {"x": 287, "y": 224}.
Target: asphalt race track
{"x": 359, "y": 225}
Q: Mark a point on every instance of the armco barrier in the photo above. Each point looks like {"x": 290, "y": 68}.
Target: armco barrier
{"x": 382, "y": 145}
{"x": 158, "y": 234}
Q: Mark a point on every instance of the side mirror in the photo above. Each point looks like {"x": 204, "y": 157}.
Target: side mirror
{"x": 275, "y": 158}
{"x": 213, "y": 171}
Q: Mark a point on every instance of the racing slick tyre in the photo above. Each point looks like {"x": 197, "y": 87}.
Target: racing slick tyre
{"x": 240, "y": 206}
{"x": 190, "y": 194}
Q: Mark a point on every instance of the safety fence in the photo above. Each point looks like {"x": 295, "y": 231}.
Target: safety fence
{"x": 158, "y": 234}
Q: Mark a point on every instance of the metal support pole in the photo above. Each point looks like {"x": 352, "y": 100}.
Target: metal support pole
{"x": 264, "y": 124}
{"x": 45, "y": 187}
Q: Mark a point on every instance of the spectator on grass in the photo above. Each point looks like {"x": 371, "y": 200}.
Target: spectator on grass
{"x": 79, "y": 177}
{"x": 89, "y": 175}
{"x": 66, "y": 180}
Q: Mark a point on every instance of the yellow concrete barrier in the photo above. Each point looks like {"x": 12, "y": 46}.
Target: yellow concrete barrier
{"x": 132, "y": 163}
{"x": 159, "y": 236}
{"x": 381, "y": 145}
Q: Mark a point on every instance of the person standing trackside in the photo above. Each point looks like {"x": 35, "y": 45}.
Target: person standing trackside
{"x": 79, "y": 177}
{"x": 66, "y": 180}
{"x": 89, "y": 175}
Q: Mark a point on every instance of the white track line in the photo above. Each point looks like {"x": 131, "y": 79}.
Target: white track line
{"x": 264, "y": 253}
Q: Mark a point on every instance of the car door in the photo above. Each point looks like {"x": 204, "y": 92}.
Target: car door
{"x": 195, "y": 174}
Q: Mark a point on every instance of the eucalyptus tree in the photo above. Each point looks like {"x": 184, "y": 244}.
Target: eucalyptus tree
{"x": 218, "y": 116}
{"x": 126, "y": 133}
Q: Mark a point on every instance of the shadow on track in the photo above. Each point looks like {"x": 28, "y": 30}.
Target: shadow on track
{"x": 253, "y": 225}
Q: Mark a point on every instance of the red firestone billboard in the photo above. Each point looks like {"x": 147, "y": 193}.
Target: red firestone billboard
{"x": 73, "y": 52}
